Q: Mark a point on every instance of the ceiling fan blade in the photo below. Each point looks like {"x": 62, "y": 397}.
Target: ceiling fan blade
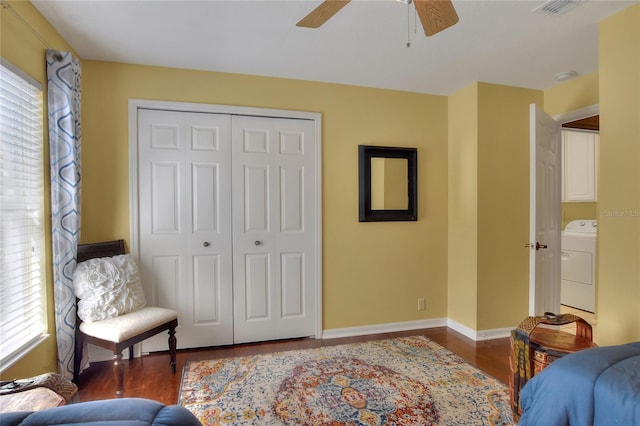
{"x": 322, "y": 13}
{"x": 436, "y": 15}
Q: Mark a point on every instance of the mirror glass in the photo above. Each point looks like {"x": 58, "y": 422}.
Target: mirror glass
{"x": 387, "y": 183}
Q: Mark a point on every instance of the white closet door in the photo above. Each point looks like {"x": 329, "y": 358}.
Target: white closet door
{"x": 274, "y": 234}
{"x": 185, "y": 223}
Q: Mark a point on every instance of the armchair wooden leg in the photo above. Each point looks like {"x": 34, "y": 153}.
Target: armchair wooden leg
{"x": 118, "y": 373}
{"x": 172, "y": 347}
{"x": 77, "y": 357}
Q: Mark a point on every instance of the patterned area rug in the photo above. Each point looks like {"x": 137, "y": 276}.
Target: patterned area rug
{"x": 403, "y": 381}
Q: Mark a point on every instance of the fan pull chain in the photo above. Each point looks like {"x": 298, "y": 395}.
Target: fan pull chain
{"x": 408, "y": 25}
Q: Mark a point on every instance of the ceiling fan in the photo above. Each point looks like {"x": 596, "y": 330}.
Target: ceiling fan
{"x": 435, "y": 15}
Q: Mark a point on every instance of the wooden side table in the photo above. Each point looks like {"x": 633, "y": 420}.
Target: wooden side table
{"x": 550, "y": 344}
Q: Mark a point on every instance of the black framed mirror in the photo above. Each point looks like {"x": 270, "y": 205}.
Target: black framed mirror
{"x": 388, "y": 183}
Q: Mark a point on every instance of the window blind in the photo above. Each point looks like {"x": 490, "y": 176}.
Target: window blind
{"x": 22, "y": 304}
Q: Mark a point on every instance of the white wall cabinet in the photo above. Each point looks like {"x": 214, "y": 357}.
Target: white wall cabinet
{"x": 580, "y": 166}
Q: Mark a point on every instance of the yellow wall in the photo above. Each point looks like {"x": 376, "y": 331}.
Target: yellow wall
{"x": 572, "y": 95}
{"x": 489, "y": 205}
{"x": 503, "y": 203}
{"x": 373, "y": 273}
{"x": 20, "y": 47}
{"x": 618, "y": 269}
{"x": 463, "y": 207}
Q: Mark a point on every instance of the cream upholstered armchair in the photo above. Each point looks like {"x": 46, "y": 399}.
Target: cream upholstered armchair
{"x": 111, "y": 309}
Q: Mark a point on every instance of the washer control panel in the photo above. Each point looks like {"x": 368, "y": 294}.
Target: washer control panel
{"x": 582, "y": 225}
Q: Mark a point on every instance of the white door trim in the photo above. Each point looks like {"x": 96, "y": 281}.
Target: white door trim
{"x": 135, "y": 104}
{"x": 578, "y": 114}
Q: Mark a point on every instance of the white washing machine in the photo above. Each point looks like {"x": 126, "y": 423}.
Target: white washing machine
{"x": 578, "y": 263}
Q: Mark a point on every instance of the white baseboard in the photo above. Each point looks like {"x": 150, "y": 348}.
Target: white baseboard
{"x": 416, "y": 325}
{"x": 496, "y": 333}
{"x": 100, "y": 354}
{"x": 479, "y": 335}
{"x": 382, "y": 328}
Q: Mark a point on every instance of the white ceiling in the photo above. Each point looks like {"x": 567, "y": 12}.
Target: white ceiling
{"x": 499, "y": 42}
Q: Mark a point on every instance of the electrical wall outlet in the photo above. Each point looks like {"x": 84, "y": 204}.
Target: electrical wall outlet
{"x": 422, "y": 304}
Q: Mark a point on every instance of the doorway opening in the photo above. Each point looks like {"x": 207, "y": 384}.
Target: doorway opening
{"x": 573, "y": 210}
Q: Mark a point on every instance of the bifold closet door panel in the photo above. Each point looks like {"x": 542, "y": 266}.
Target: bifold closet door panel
{"x": 185, "y": 223}
{"x": 274, "y": 232}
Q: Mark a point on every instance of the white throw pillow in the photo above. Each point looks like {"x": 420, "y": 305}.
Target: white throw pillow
{"x": 107, "y": 287}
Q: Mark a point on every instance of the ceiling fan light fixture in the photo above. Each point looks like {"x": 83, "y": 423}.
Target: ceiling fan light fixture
{"x": 435, "y": 15}
{"x": 566, "y": 75}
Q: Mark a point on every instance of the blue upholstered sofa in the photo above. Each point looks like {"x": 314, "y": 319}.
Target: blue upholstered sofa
{"x": 121, "y": 412}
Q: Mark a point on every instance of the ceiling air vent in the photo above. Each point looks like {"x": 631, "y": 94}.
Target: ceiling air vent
{"x": 556, "y": 7}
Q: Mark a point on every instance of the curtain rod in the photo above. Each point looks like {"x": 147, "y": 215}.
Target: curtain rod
{"x": 8, "y": 7}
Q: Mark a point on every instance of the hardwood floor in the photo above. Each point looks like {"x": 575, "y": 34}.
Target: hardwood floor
{"x": 150, "y": 376}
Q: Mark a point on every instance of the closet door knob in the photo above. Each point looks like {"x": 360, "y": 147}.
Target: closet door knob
{"x": 206, "y": 244}
{"x": 258, "y": 242}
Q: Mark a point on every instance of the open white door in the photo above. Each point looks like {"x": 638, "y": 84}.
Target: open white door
{"x": 545, "y": 217}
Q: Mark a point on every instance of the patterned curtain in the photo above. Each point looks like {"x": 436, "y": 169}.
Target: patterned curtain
{"x": 63, "y": 81}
